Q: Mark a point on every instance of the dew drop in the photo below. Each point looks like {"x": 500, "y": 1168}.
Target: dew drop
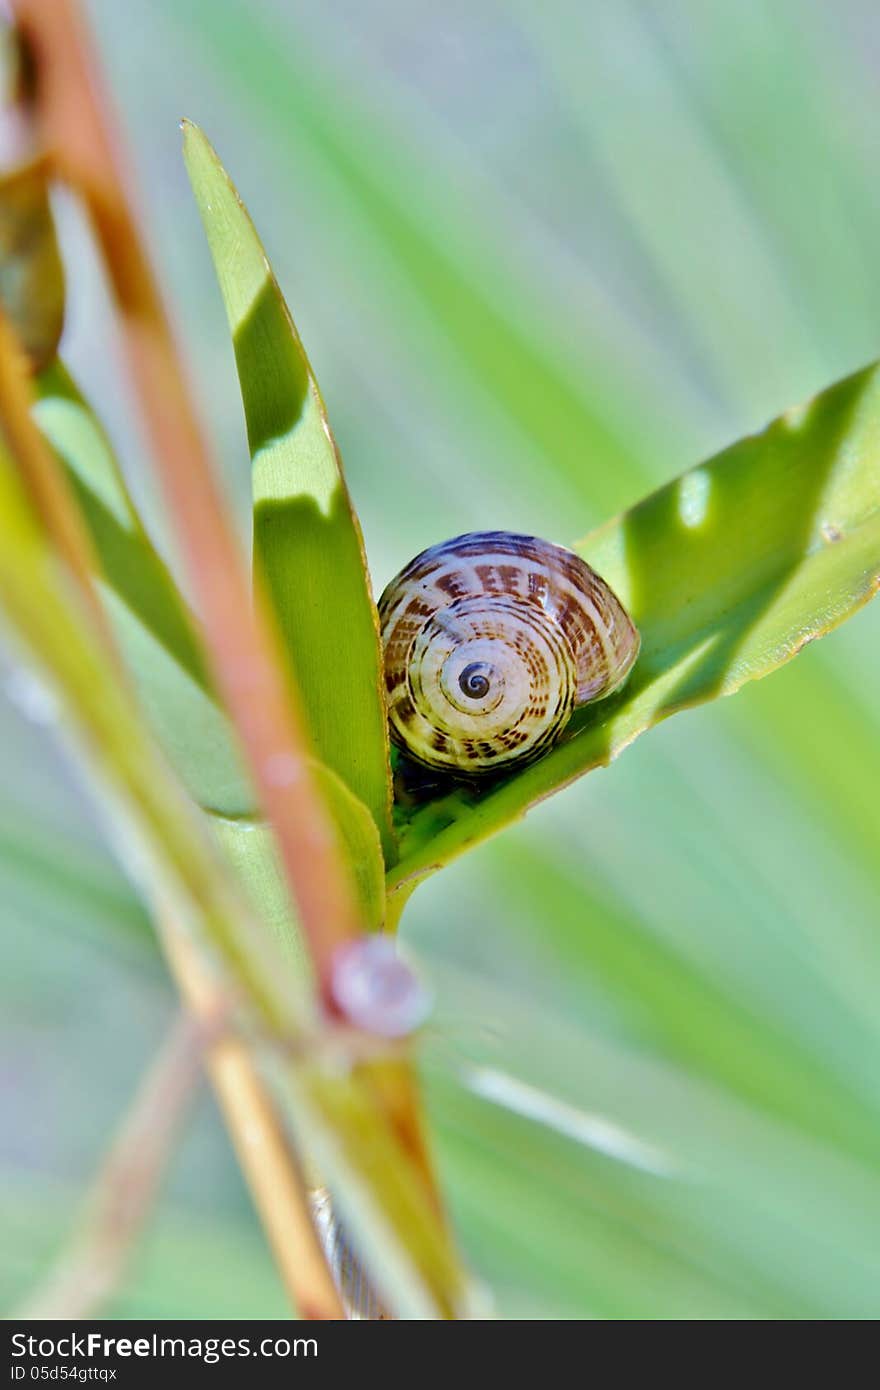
{"x": 376, "y": 990}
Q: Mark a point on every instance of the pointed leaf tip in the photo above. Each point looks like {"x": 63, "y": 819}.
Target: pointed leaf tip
{"x": 308, "y": 546}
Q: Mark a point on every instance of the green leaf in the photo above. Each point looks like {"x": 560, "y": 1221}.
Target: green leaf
{"x": 158, "y": 637}
{"x": 152, "y": 624}
{"x": 249, "y": 845}
{"x": 161, "y": 834}
{"x": 745, "y": 837}
{"x": 360, "y": 839}
{"x": 166, "y": 843}
{"x": 728, "y": 572}
{"x": 307, "y": 541}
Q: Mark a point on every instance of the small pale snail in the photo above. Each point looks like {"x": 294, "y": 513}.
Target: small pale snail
{"x": 491, "y": 640}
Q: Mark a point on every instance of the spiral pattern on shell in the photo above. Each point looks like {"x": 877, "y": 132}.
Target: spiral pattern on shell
{"x": 491, "y": 641}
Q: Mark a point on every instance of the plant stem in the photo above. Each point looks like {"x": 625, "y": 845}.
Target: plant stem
{"x": 46, "y": 483}
{"x": 90, "y": 1271}
{"x": 71, "y": 112}
{"x": 267, "y": 1158}
{"x": 240, "y": 635}
{"x": 164, "y": 839}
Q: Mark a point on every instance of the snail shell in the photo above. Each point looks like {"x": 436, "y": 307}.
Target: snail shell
{"x": 491, "y": 641}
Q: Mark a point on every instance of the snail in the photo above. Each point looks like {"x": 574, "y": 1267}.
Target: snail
{"x": 491, "y": 640}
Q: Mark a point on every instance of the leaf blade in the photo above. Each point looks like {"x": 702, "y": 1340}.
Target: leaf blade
{"x": 307, "y": 541}
{"x": 166, "y": 843}
{"x": 251, "y": 849}
{"x": 152, "y": 624}
{"x": 784, "y": 526}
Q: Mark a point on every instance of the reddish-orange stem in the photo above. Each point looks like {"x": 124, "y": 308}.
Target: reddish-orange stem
{"x": 70, "y": 109}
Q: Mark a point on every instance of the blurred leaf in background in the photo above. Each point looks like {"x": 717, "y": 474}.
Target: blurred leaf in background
{"x": 543, "y": 258}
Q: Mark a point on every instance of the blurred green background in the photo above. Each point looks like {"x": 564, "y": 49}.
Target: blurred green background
{"x": 543, "y": 258}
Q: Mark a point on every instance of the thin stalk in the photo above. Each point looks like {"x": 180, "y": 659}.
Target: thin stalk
{"x": 163, "y": 837}
{"x": 265, "y": 1153}
{"x": 71, "y": 114}
{"x": 71, "y": 111}
{"x": 47, "y": 485}
{"x": 89, "y": 1272}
